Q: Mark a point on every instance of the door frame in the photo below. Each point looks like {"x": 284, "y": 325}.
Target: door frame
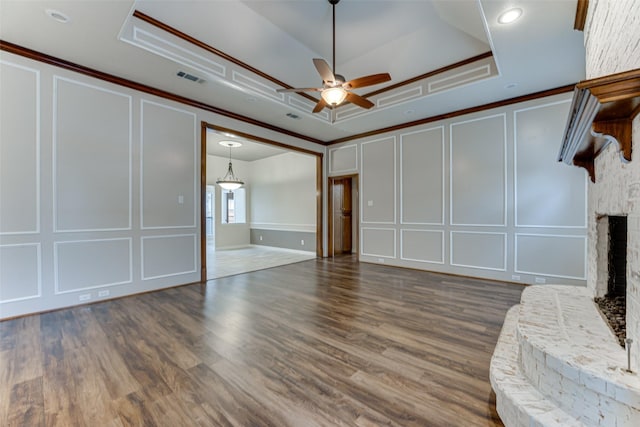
{"x": 355, "y": 219}
{"x": 203, "y": 185}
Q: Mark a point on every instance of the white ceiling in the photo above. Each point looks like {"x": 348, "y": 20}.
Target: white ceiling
{"x": 406, "y": 38}
{"x": 249, "y": 151}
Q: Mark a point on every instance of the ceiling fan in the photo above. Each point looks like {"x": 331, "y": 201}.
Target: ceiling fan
{"x": 335, "y": 89}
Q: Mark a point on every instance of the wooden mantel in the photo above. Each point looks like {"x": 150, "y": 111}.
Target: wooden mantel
{"x": 602, "y": 112}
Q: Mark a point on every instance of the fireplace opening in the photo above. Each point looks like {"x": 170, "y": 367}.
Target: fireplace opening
{"x": 613, "y": 304}
{"x": 617, "y": 286}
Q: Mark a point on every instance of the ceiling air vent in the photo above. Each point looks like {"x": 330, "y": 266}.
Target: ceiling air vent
{"x": 293, "y": 116}
{"x": 190, "y": 77}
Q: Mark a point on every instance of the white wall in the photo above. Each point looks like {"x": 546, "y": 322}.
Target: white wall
{"x": 99, "y": 188}
{"x": 480, "y": 195}
{"x": 283, "y": 195}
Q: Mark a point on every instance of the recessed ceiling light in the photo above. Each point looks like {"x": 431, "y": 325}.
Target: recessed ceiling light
{"x": 56, "y": 15}
{"x": 509, "y": 16}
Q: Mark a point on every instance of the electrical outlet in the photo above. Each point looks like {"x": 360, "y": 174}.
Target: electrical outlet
{"x": 84, "y": 297}
{"x": 541, "y": 280}
{"x": 261, "y": 238}
{"x": 381, "y": 260}
{"x": 104, "y": 293}
{"x": 302, "y": 242}
{"x": 515, "y": 277}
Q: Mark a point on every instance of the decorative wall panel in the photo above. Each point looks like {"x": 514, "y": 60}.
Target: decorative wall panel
{"x": 168, "y": 167}
{"x": 551, "y": 255}
{"x": 380, "y": 242}
{"x": 20, "y": 268}
{"x": 378, "y": 198}
{"x": 89, "y": 264}
{"x": 547, "y": 193}
{"x": 164, "y": 256}
{"x": 481, "y": 250}
{"x": 422, "y": 245}
{"x": 343, "y": 159}
{"x": 92, "y": 157}
{"x": 19, "y": 149}
{"x": 478, "y": 172}
{"x": 422, "y": 177}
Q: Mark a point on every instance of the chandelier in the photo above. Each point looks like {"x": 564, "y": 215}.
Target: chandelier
{"x": 230, "y": 181}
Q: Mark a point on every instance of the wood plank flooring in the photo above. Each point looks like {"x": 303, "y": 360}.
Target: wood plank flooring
{"x": 326, "y": 342}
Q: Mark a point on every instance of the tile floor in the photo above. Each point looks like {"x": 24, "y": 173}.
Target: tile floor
{"x": 222, "y": 263}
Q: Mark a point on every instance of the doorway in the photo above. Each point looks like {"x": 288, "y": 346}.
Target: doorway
{"x": 204, "y": 215}
{"x": 343, "y": 215}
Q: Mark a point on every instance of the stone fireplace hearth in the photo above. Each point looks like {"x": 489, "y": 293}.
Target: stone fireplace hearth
{"x": 556, "y": 362}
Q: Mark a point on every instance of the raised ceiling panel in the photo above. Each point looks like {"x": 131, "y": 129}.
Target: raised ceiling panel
{"x": 164, "y": 256}
{"x": 92, "y": 157}
{"x": 422, "y": 176}
{"x": 168, "y": 167}
{"x": 422, "y": 246}
{"x": 459, "y": 78}
{"x": 478, "y": 172}
{"x": 547, "y": 192}
{"x": 88, "y": 264}
{"x": 256, "y": 86}
{"x": 20, "y": 270}
{"x": 166, "y": 45}
{"x": 378, "y": 197}
{"x": 253, "y": 71}
{"x": 19, "y": 149}
{"x": 402, "y": 96}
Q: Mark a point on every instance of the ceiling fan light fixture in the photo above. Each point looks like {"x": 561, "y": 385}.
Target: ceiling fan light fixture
{"x": 334, "y": 95}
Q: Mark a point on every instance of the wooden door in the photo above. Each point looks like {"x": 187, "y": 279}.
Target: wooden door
{"x": 346, "y": 216}
{"x": 342, "y": 215}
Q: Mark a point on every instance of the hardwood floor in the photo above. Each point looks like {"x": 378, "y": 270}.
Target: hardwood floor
{"x": 318, "y": 343}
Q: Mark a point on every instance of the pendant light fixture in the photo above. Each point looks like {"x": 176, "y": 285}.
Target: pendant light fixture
{"x": 230, "y": 181}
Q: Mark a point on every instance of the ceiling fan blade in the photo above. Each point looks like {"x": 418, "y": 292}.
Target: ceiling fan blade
{"x": 319, "y": 106}
{"x": 300, "y": 89}
{"x": 373, "y": 79}
{"x": 324, "y": 70}
{"x": 359, "y": 101}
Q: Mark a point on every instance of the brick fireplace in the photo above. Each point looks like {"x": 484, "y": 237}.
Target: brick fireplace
{"x": 616, "y": 194}
{"x": 556, "y": 362}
